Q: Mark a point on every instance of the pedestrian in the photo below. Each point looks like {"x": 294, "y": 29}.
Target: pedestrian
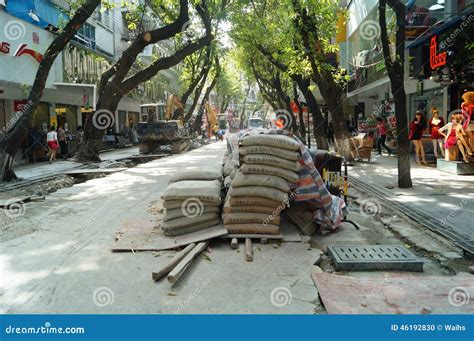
{"x": 382, "y": 129}
{"x": 331, "y": 133}
{"x": 61, "y": 134}
{"x": 79, "y": 135}
{"x": 415, "y": 135}
{"x": 53, "y": 144}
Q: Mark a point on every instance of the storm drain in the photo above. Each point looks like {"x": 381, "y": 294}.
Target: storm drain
{"x": 374, "y": 257}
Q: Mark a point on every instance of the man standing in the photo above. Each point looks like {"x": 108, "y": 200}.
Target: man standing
{"x": 62, "y": 141}
{"x": 382, "y": 136}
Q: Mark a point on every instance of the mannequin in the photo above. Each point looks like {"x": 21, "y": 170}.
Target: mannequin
{"x": 455, "y": 136}
{"x": 467, "y": 108}
{"x": 415, "y": 135}
{"x": 435, "y": 124}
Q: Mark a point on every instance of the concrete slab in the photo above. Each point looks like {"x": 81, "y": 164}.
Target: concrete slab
{"x": 455, "y": 167}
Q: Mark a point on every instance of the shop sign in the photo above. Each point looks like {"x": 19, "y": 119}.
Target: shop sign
{"x": 19, "y": 105}
{"x": 436, "y": 59}
{"x": 23, "y": 49}
{"x": 392, "y": 121}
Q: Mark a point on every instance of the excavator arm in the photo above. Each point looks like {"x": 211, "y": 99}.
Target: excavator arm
{"x": 173, "y": 103}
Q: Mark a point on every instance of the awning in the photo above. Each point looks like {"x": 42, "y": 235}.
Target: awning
{"x": 437, "y": 30}
{"x": 38, "y": 12}
{"x": 369, "y": 86}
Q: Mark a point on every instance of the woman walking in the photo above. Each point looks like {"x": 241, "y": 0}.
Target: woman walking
{"x": 53, "y": 144}
{"x": 382, "y": 137}
{"x": 415, "y": 135}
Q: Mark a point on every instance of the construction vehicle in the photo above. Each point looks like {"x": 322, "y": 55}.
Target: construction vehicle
{"x": 157, "y": 131}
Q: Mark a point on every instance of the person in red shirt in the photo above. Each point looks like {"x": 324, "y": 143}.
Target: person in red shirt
{"x": 382, "y": 136}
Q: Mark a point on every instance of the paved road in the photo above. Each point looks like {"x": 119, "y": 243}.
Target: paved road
{"x": 66, "y": 258}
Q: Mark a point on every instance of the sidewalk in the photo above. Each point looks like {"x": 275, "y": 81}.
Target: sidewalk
{"x": 35, "y": 170}
{"x": 444, "y": 196}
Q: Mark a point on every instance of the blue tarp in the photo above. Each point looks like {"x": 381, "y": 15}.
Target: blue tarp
{"x": 41, "y": 13}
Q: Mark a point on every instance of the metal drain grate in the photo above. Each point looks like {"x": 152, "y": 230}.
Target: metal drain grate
{"x": 374, "y": 257}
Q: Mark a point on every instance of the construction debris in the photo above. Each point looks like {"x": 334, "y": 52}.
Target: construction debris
{"x": 181, "y": 267}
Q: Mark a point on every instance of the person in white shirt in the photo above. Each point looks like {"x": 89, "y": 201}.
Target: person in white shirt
{"x": 53, "y": 144}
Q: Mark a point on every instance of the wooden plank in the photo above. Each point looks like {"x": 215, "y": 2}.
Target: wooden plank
{"x": 95, "y": 171}
{"x": 146, "y": 237}
{"x": 172, "y": 263}
{"x": 248, "y": 250}
{"x": 234, "y": 243}
{"x": 180, "y": 269}
{"x": 254, "y": 236}
{"x": 395, "y": 293}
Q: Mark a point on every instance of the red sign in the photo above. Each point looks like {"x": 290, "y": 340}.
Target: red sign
{"x": 5, "y": 47}
{"x": 23, "y": 49}
{"x": 19, "y": 105}
{"x": 436, "y": 59}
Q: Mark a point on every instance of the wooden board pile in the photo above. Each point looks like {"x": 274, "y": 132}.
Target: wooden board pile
{"x": 259, "y": 188}
{"x": 192, "y": 202}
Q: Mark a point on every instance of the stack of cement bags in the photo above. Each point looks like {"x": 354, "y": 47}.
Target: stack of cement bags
{"x": 192, "y": 202}
{"x": 260, "y": 189}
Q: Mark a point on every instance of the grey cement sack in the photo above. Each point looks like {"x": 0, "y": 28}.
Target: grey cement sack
{"x": 259, "y": 191}
{"x": 244, "y": 218}
{"x": 242, "y": 179}
{"x": 271, "y": 160}
{"x": 192, "y": 228}
{"x": 202, "y": 190}
{"x": 186, "y": 222}
{"x": 185, "y": 204}
{"x": 187, "y": 211}
{"x": 269, "y": 170}
{"x": 283, "y": 153}
{"x": 279, "y": 141}
{"x": 254, "y": 201}
{"x": 206, "y": 174}
{"x": 252, "y": 228}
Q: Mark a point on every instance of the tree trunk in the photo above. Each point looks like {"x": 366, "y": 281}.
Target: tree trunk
{"x": 113, "y": 91}
{"x": 313, "y": 107}
{"x": 396, "y": 73}
{"x": 11, "y": 140}
{"x": 300, "y": 112}
{"x": 197, "y": 123}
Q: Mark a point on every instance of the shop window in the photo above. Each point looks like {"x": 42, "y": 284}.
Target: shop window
{"x": 40, "y": 120}
{"x": 67, "y": 117}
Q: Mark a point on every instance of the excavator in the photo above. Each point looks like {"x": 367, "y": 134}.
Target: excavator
{"x": 156, "y": 128}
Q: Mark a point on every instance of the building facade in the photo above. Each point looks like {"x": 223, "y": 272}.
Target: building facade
{"x": 27, "y": 29}
{"x": 428, "y": 86}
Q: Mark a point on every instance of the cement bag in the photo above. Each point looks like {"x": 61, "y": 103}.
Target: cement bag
{"x": 242, "y": 179}
{"x": 269, "y": 170}
{"x": 252, "y": 229}
{"x": 202, "y": 190}
{"x": 259, "y": 191}
{"x": 188, "y": 211}
{"x": 279, "y": 141}
{"x": 274, "y": 161}
{"x": 254, "y": 201}
{"x": 228, "y": 166}
{"x": 244, "y": 218}
{"x": 188, "y": 221}
{"x": 283, "y": 153}
{"x": 206, "y": 174}
{"x": 188, "y": 204}
{"x": 192, "y": 228}
{"x": 247, "y": 209}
